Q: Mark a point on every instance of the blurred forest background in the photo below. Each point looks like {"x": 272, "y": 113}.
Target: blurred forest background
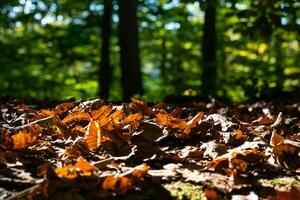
{"x": 236, "y": 50}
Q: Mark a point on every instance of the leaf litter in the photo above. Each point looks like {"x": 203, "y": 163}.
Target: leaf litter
{"x": 98, "y": 150}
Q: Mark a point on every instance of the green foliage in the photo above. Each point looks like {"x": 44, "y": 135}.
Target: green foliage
{"x": 51, "y": 49}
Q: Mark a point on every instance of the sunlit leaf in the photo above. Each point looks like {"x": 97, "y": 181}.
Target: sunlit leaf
{"x": 112, "y": 120}
{"x": 84, "y": 165}
{"x": 77, "y": 116}
{"x": 104, "y": 111}
{"x": 93, "y": 135}
{"x": 63, "y": 108}
{"x": 25, "y": 138}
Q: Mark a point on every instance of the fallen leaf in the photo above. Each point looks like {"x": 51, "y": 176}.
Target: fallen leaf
{"x": 116, "y": 184}
{"x": 25, "y": 138}
{"x": 77, "y": 116}
{"x": 84, "y": 165}
{"x": 93, "y": 135}
{"x": 140, "y": 171}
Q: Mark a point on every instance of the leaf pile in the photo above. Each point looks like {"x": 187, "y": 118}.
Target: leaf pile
{"x": 96, "y": 150}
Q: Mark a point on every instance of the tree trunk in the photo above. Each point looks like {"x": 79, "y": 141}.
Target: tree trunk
{"x": 209, "y": 64}
{"x": 128, "y": 38}
{"x": 163, "y": 58}
{"x": 105, "y": 73}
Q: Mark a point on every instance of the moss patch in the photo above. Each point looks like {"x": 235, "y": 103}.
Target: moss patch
{"x": 280, "y": 183}
{"x": 185, "y": 191}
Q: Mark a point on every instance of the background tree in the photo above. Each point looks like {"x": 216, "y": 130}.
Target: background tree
{"x": 50, "y": 49}
{"x": 130, "y": 60}
{"x": 105, "y": 66}
{"x": 209, "y": 49}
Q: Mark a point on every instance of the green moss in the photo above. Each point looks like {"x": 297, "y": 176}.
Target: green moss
{"x": 185, "y": 191}
{"x": 284, "y": 182}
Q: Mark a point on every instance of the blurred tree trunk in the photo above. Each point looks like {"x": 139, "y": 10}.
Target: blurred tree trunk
{"x": 105, "y": 72}
{"x": 128, "y": 38}
{"x": 163, "y": 58}
{"x": 209, "y": 64}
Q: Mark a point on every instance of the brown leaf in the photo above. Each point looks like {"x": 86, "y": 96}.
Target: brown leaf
{"x": 287, "y": 156}
{"x": 142, "y": 107}
{"x": 276, "y": 139}
{"x": 293, "y": 194}
{"x": 239, "y": 165}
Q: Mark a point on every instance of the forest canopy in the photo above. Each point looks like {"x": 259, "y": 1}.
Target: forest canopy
{"x": 232, "y": 49}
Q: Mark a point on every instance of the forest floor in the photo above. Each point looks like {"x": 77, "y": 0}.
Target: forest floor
{"x": 97, "y": 150}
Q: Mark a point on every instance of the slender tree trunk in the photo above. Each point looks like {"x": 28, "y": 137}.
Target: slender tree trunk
{"x": 105, "y": 72}
{"x": 209, "y": 64}
{"x": 128, "y": 38}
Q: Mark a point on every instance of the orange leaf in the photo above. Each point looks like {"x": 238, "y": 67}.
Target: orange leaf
{"x": 140, "y": 171}
{"x": 114, "y": 119}
{"x": 93, "y": 135}
{"x": 276, "y": 139}
{"x": 211, "y": 194}
{"x": 132, "y": 118}
{"x": 142, "y": 107}
{"x": 265, "y": 120}
{"x": 117, "y": 184}
{"x": 239, "y": 134}
{"x": 193, "y": 122}
{"x": 25, "y": 138}
{"x": 22, "y": 140}
{"x": 170, "y": 121}
{"x": 43, "y": 114}
{"x": 84, "y": 165}
{"x": 104, "y": 111}
{"x": 68, "y": 172}
{"x": 239, "y": 165}
{"x": 64, "y": 107}
{"x": 77, "y": 116}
